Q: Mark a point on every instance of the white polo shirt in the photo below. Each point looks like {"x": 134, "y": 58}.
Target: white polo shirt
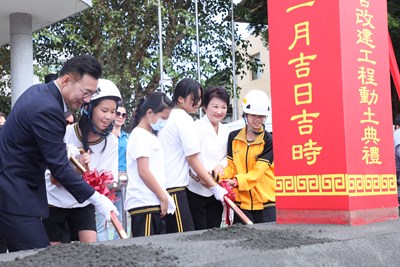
{"x": 179, "y": 138}
{"x": 213, "y": 151}
{"x": 142, "y": 143}
{"x": 107, "y": 160}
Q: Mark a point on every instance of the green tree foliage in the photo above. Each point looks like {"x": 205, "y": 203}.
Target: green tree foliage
{"x": 123, "y": 35}
{"x": 254, "y": 12}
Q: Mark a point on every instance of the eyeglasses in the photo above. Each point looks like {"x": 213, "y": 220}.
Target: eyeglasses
{"x": 119, "y": 114}
{"x": 88, "y": 93}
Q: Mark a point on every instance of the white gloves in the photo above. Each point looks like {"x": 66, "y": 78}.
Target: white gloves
{"x": 171, "y": 204}
{"x": 219, "y": 192}
{"x": 103, "y": 205}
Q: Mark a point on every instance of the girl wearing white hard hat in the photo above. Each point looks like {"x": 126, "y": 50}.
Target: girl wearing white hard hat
{"x": 92, "y": 135}
{"x": 250, "y": 167}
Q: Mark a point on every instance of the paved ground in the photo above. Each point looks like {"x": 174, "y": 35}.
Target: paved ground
{"x": 258, "y": 245}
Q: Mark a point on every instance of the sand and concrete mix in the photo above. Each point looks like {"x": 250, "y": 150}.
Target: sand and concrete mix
{"x": 266, "y": 244}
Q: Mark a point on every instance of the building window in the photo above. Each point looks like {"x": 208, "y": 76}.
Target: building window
{"x": 256, "y": 70}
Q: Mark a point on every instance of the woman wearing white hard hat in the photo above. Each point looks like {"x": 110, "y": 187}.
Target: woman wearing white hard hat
{"x": 250, "y": 167}
{"x": 92, "y": 135}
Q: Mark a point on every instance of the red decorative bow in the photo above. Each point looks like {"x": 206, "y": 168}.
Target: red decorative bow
{"x": 101, "y": 182}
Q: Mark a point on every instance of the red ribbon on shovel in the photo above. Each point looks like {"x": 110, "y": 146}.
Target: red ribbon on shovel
{"x": 229, "y": 198}
{"x": 99, "y": 181}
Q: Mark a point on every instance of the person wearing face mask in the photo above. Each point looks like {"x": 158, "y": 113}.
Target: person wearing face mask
{"x": 179, "y": 139}
{"x": 147, "y": 201}
{"x": 250, "y": 167}
{"x": 92, "y": 135}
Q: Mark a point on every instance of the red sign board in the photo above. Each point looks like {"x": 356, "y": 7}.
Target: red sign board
{"x": 330, "y": 91}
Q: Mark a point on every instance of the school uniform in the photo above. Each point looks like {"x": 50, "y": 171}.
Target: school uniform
{"x": 31, "y": 141}
{"x": 59, "y": 198}
{"x": 178, "y": 138}
{"x": 141, "y": 203}
{"x": 252, "y": 164}
{"x": 205, "y": 209}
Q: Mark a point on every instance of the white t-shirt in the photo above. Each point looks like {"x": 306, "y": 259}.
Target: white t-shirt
{"x": 107, "y": 160}
{"x": 142, "y": 143}
{"x": 213, "y": 151}
{"x": 178, "y": 138}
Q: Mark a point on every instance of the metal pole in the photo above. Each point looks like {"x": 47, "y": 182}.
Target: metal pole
{"x": 198, "y": 48}
{"x": 235, "y": 97}
{"x": 124, "y": 180}
{"x": 160, "y": 44}
{"x": 197, "y": 41}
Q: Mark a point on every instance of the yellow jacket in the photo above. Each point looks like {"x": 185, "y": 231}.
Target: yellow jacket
{"x": 253, "y": 166}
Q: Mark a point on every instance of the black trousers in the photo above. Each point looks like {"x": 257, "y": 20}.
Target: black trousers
{"x": 268, "y": 214}
{"x": 206, "y": 211}
{"x": 146, "y": 221}
{"x": 23, "y": 232}
{"x": 181, "y": 220}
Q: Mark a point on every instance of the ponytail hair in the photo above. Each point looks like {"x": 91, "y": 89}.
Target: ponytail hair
{"x": 185, "y": 87}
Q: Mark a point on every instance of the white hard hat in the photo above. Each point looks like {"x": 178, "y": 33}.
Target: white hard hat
{"x": 256, "y": 102}
{"x": 107, "y": 88}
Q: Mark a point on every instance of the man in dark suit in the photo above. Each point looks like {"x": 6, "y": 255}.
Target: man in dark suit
{"x": 31, "y": 141}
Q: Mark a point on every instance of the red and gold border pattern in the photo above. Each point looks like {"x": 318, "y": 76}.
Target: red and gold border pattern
{"x": 336, "y": 184}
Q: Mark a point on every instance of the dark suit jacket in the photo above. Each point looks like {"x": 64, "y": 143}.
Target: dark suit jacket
{"x": 30, "y": 141}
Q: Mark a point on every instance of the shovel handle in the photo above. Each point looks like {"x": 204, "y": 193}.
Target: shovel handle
{"x": 77, "y": 164}
{"x": 236, "y": 209}
{"x": 118, "y": 226}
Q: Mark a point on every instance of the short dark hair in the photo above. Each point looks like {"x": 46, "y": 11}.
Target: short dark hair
{"x": 186, "y": 87}
{"x": 217, "y": 92}
{"x": 121, "y": 105}
{"x": 81, "y": 65}
{"x": 50, "y": 77}
{"x": 397, "y": 120}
